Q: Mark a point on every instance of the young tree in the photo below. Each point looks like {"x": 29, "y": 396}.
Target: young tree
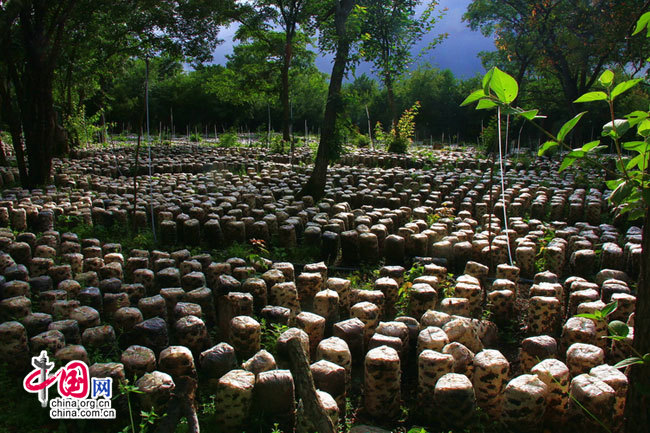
{"x": 390, "y": 29}
{"x": 258, "y": 19}
{"x": 337, "y": 35}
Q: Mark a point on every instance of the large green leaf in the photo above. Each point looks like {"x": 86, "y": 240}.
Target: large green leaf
{"x": 624, "y": 87}
{"x": 616, "y": 129}
{"x": 485, "y": 104}
{"x": 530, "y": 114}
{"x": 568, "y": 126}
{"x": 487, "y": 78}
{"x": 606, "y": 78}
{"x": 618, "y": 328}
{"x": 473, "y": 97}
{"x": 504, "y": 86}
{"x": 636, "y": 117}
{"x": 546, "y": 147}
{"x": 638, "y": 146}
{"x": 590, "y": 146}
{"x": 642, "y": 23}
{"x": 592, "y": 96}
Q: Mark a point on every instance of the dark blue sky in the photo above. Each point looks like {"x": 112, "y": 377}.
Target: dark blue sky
{"x": 458, "y": 52}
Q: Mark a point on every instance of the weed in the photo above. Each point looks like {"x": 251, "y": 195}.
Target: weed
{"x": 270, "y": 334}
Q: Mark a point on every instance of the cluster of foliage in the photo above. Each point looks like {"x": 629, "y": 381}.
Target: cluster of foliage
{"x": 401, "y": 136}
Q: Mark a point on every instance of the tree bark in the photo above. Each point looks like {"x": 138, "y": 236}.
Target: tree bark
{"x": 637, "y": 409}
{"x": 39, "y": 121}
{"x": 388, "y": 82}
{"x": 14, "y": 130}
{"x": 284, "y": 93}
{"x": 305, "y": 389}
{"x": 315, "y": 186}
{"x": 3, "y": 157}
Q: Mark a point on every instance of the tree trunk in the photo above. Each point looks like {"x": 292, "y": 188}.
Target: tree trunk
{"x": 39, "y": 122}
{"x": 388, "y": 82}
{"x": 3, "y": 157}
{"x": 15, "y": 131}
{"x": 284, "y": 96}
{"x": 315, "y": 186}
{"x": 637, "y": 409}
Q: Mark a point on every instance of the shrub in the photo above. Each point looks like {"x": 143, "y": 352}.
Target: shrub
{"x": 195, "y": 138}
{"x": 362, "y": 140}
{"x": 228, "y": 140}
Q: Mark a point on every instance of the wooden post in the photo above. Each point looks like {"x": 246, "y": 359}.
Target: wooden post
{"x": 305, "y": 388}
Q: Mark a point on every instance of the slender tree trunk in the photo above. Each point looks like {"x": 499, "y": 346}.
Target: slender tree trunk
{"x": 3, "y": 157}
{"x": 388, "y": 81}
{"x": 372, "y": 142}
{"x": 39, "y": 122}
{"x": 637, "y": 409}
{"x": 15, "y": 131}
{"x": 284, "y": 96}
{"x": 315, "y": 186}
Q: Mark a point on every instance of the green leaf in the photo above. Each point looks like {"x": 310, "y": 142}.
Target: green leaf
{"x": 642, "y": 23}
{"x": 629, "y": 361}
{"x": 606, "y": 78}
{"x": 621, "y": 192}
{"x": 530, "y": 114}
{"x": 639, "y": 146}
{"x": 485, "y": 104}
{"x": 618, "y": 328}
{"x": 624, "y": 87}
{"x": 546, "y": 147}
{"x": 591, "y": 316}
{"x": 486, "y": 81}
{"x": 567, "y": 162}
{"x": 474, "y": 96}
{"x": 592, "y": 96}
{"x": 622, "y": 126}
{"x": 590, "y": 146}
{"x": 567, "y": 127}
{"x": 504, "y": 86}
{"x": 643, "y": 129}
{"x": 636, "y": 116}
{"x": 613, "y": 184}
{"x": 609, "y": 308}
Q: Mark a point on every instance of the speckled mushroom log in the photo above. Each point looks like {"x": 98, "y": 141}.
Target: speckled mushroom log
{"x": 285, "y": 295}
{"x": 336, "y": 350}
{"x": 454, "y": 400}
{"x": 618, "y": 381}
{"x": 382, "y": 397}
{"x": 275, "y": 397}
{"x": 177, "y": 361}
{"x": 245, "y": 335}
{"x": 524, "y": 403}
{"x": 555, "y": 374}
{"x": 580, "y": 358}
{"x": 432, "y": 338}
{"x": 536, "y": 349}
{"x": 261, "y": 361}
{"x": 491, "y": 370}
{"x": 155, "y": 390}
{"x": 233, "y": 399}
{"x": 432, "y": 365}
{"x": 596, "y": 397}
{"x": 13, "y": 339}
{"x": 544, "y": 314}
{"x": 330, "y": 378}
